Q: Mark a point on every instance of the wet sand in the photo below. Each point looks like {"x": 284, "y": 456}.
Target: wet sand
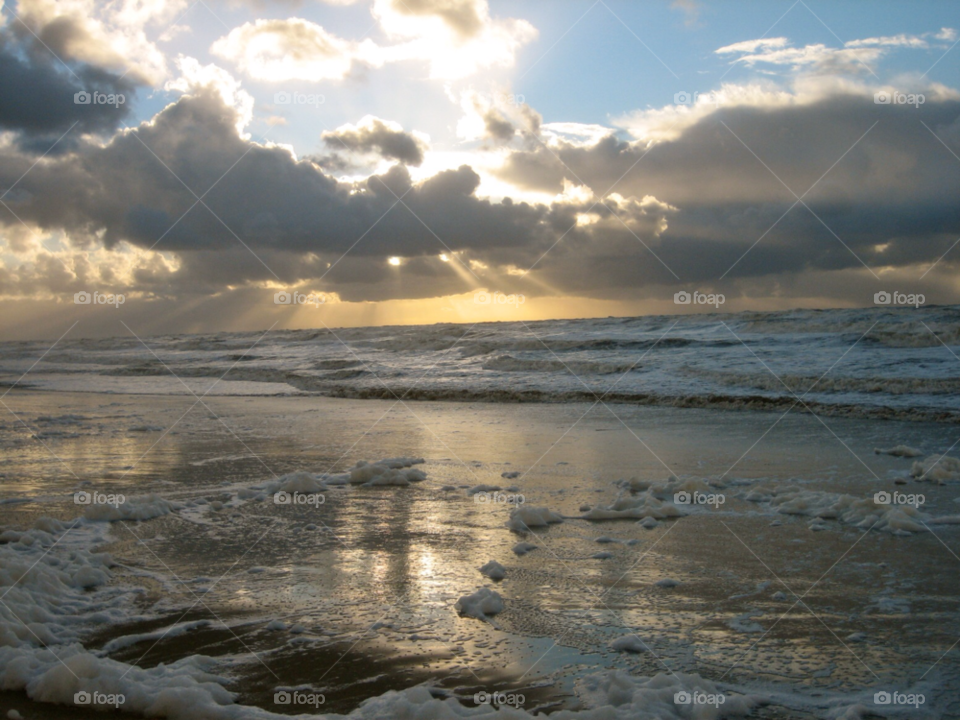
{"x": 399, "y": 558}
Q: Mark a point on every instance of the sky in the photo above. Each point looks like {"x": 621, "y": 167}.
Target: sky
{"x": 228, "y": 166}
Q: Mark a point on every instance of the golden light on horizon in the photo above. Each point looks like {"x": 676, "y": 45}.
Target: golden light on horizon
{"x": 395, "y": 261}
{"x": 444, "y": 257}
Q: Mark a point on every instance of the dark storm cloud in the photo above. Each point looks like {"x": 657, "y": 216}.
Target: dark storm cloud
{"x": 891, "y": 200}
{"x": 373, "y": 135}
{"x": 713, "y": 161}
{"x": 686, "y": 211}
{"x": 134, "y": 189}
{"x": 37, "y": 95}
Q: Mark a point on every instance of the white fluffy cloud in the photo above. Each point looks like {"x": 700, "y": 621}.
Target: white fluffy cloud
{"x": 195, "y": 78}
{"x": 456, "y": 37}
{"x": 108, "y": 35}
{"x": 293, "y": 49}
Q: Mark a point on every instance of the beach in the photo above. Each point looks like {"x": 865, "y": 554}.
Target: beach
{"x": 784, "y": 587}
{"x": 474, "y": 360}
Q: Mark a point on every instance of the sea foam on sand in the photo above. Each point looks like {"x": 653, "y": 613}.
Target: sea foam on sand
{"x": 481, "y": 604}
{"x": 524, "y": 518}
{"x": 937, "y": 468}
{"x": 55, "y": 588}
{"x": 864, "y": 513}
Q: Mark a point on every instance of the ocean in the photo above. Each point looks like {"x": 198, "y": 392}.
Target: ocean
{"x": 891, "y": 363}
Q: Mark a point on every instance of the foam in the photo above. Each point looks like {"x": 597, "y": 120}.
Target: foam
{"x": 300, "y": 481}
{"x": 387, "y": 472}
{"x": 864, "y": 513}
{"x": 494, "y": 570}
{"x": 184, "y": 690}
{"x": 54, "y": 588}
{"x": 641, "y": 500}
{"x": 617, "y": 695}
{"x": 937, "y": 468}
{"x": 171, "y": 631}
{"x": 145, "y": 507}
{"x": 523, "y": 518}
{"x": 480, "y": 605}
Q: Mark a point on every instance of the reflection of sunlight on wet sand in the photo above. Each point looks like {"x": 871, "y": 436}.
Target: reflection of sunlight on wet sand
{"x": 375, "y": 593}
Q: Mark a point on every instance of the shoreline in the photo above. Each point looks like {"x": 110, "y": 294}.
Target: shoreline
{"x": 732, "y": 403}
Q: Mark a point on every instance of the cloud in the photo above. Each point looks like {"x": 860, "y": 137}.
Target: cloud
{"x": 37, "y": 96}
{"x": 293, "y": 218}
{"x": 292, "y": 49}
{"x": 466, "y": 18}
{"x": 817, "y": 57}
{"x": 456, "y": 37}
{"x": 110, "y": 36}
{"x": 625, "y": 219}
{"x": 904, "y": 40}
{"x": 383, "y": 137}
{"x": 888, "y": 199}
{"x": 195, "y": 78}
{"x": 901, "y": 40}
{"x": 854, "y": 57}
{"x": 497, "y": 116}
{"x": 669, "y": 122}
{"x": 269, "y": 218}
{"x": 51, "y": 50}
{"x": 752, "y": 46}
